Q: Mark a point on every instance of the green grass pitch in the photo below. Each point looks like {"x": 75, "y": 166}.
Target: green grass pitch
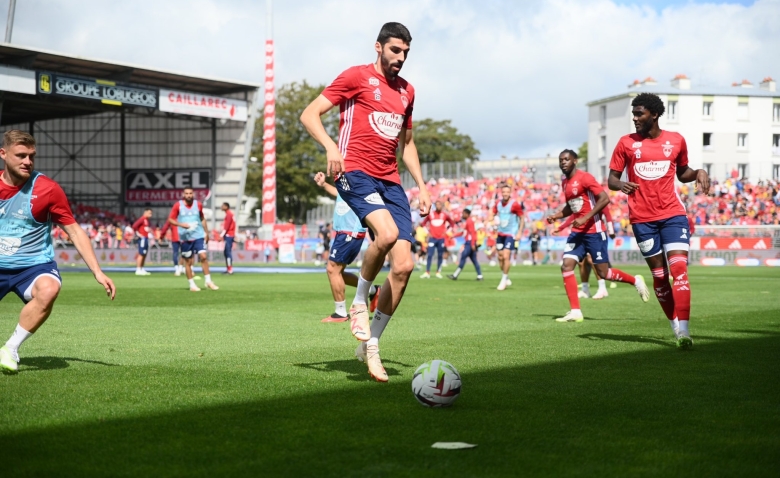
{"x": 246, "y": 381}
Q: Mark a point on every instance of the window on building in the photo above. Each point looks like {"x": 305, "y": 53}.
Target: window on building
{"x": 776, "y": 112}
{"x": 672, "y": 110}
{"x": 602, "y": 147}
{"x": 742, "y": 169}
{"x": 603, "y": 116}
{"x": 603, "y": 173}
{"x": 742, "y": 112}
{"x": 776, "y": 144}
{"x": 776, "y": 172}
{"x": 707, "y": 109}
{"x": 706, "y": 140}
{"x": 708, "y": 168}
{"x": 742, "y": 140}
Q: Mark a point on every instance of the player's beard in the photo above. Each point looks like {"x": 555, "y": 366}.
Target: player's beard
{"x": 17, "y": 174}
{"x": 387, "y": 68}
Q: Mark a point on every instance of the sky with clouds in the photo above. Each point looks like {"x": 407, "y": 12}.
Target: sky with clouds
{"x": 513, "y": 75}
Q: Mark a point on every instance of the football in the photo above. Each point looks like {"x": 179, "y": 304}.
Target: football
{"x": 436, "y": 384}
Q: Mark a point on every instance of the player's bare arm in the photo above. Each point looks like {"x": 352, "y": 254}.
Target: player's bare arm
{"x": 83, "y": 244}
{"x": 174, "y": 222}
{"x": 412, "y": 161}
{"x": 687, "y": 175}
{"x": 565, "y": 212}
{"x": 319, "y": 179}
{"x": 312, "y": 121}
{"x": 205, "y": 228}
{"x": 601, "y": 202}
{"x": 615, "y": 184}
{"x": 520, "y": 229}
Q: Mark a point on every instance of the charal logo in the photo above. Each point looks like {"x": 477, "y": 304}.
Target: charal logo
{"x": 387, "y": 125}
{"x": 375, "y": 199}
{"x": 373, "y": 81}
{"x": 637, "y": 144}
{"x": 668, "y": 147}
{"x": 437, "y": 222}
{"x": 652, "y": 170}
{"x": 575, "y": 204}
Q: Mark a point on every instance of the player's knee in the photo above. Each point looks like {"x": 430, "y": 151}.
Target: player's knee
{"x": 46, "y": 291}
{"x": 403, "y": 268}
{"x": 385, "y": 239}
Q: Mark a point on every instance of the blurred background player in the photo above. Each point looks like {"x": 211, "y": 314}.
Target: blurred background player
{"x": 436, "y": 222}
{"x": 178, "y": 263}
{"x": 652, "y": 157}
{"x": 421, "y": 244}
{"x": 535, "y": 239}
{"x": 345, "y": 249}
{"x": 228, "y": 234}
{"x": 585, "y": 198}
{"x": 143, "y": 233}
{"x": 366, "y": 166}
{"x": 187, "y": 215}
{"x": 469, "y": 247}
{"x": 29, "y": 204}
{"x": 510, "y": 229}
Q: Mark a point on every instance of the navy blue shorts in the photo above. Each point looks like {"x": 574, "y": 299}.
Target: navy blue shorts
{"x": 190, "y": 248}
{"x": 666, "y": 235}
{"x": 21, "y": 281}
{"x": 345, "y": 249}
{"x": 365, "y": 194}
{"x": 505, "y": 243}
{"x": 580, "y": 243}
{"x": 437, "y": 244}
{"x": 143, "y": 246}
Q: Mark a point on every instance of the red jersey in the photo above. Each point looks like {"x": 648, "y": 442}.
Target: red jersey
{"x": 470, "y": 232}
{"x": 652, "y": 164}
{"x": 48, "y": 200}
{"x": 580, "y": 192}
{"x": 437, "y": 224}
{"x": 372, "y": 113}
{"x": 174, "y": 231}
{"x": 229, "y": 224}
{"x": 141, "y": 227}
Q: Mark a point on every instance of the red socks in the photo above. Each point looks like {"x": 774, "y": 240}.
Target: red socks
{"x": 681, "y": 288}
{"x": 663, "y": 291}
{"x": 616, "y": 275}
{"x": 570, "y": 283}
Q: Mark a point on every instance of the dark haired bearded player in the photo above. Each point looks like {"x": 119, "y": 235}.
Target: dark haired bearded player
{"x": 652, "y": 157}
{"x": 376, "y": 119}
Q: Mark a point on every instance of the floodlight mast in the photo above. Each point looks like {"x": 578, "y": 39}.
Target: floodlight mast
{"x": 9, "y": 26}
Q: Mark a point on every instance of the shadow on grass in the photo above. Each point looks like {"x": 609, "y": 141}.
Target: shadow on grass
{"x": 35, "y": 364}
{"x": 555, "y": 316}
{"x": 627, "y": 338}
{"x": 646, "y": 413}
{"x": 353, "y": 369}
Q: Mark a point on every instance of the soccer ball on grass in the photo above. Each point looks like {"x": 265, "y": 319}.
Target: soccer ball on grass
{"x": 436, "y": 384}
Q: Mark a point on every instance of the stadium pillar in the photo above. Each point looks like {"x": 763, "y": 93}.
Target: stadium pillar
{"x": 122, "y": 163}
{"x": 214, "y": 175}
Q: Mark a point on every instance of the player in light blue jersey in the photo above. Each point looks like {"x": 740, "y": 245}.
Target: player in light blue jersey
{"x": 187, "y": 215}
{"x": 345, "y": 249}
{"x": 509, "y": 215}
{"x": 29, "y": 204}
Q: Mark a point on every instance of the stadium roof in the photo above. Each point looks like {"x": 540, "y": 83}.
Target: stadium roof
{"x": 22, "y": 108}
{"x": 693, "y": 90}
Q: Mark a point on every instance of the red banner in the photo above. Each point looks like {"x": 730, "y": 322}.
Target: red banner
{"x": 284, "y": 234}
{"x": 269, "y": 139}
{"x": 734, "y": 243}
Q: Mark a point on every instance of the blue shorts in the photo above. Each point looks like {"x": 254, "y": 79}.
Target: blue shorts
{"x": 190, "y": 248}
{"x": 670, "y": 234}
{"x": 143, "y": 246}
{"x": 21, "y": 281}
{"x": 505, "y": 243}
{"x": 580, "y": 243}
{"x": 437, "y": 244}
{"x": 345, "y": 249}
{"x": 365, "y": 194}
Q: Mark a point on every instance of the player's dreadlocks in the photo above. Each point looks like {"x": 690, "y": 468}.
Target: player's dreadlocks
{"x": 650, "y": 102}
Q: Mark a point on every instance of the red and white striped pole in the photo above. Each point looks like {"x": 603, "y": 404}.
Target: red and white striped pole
{"x": 269, "y": 133}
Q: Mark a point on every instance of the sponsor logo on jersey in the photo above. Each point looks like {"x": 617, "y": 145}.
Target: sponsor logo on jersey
{"x": 646, "y": 246}
{"x": 374, "y": 198}
{"x": 638, "y": 144}
{"x": 575, "y": 204}
{"x": 9, "y": 245}
{"x": 598, "y": 255}
{"x": 574, "y": 190}
{"x": 387, "y": 125}
{"x": 19, "y": 214}
{"x": 652, "y": 170}
{"x": 437, "y": 222}
{"x": 684, "y": 234}
{"x": 342, "y": 208}
{"x": 638, "y": 154}
{"x": 668, "y": 147}
{"x": 378, "y": 94}
{"x": 373, "y": 81}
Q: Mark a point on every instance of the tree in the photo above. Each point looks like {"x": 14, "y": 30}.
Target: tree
{"x": 439, "y": 141}
{"x": 583, "y": 154}
{"x": 298, "y": 157}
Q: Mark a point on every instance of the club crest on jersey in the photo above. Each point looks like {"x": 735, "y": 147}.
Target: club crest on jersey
{"x": 405, "y": 101}
{"x": 574, "y": 190}
{"x": 402, "y": 90}
{"x": 668, "y": 149}
{"x": 373, "y": 81}
{"x": 652, "y": 170}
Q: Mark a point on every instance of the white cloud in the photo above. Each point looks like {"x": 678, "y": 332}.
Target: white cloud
{"x": 513, "y": 75}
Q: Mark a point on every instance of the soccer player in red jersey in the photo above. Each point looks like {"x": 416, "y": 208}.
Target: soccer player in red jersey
{"x": 585, "y": 199}
{"x": 586, "y": 264}
{"x": 178, "y": 264}
{"x": 29, "y": 204}
{"x": 652, "y": 158}
{"x": 469, "y": 247}
{"x": 436, "y": 222}
{"x": 144, "y": 233}
{"x": 376, "y": 120}
{"x": 510, "y": 231}
{"x": 228, "y": 234}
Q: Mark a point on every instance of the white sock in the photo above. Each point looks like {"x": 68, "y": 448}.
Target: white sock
{"x": 17, "y": 339}
{"x": 379, "y": 323}
{"x": 457, "y": 272}
{"x": 207, "y": 278}
{"x": 341, "y": 308}
{"x": 373, "y": 341}
{"x": 586, "y": 287}
{"x": 675, "y": 323}
{"x": 602, "y": 284}
{"x": 139, "y": 269}
{"x": 372, "y": 290}
{"x": 504, "y": 277}
{"x": 192, "y": 282}
{"x": 683, "y": 327}
{"x": 362, "y": 290}
{"x": 575, "y": 311}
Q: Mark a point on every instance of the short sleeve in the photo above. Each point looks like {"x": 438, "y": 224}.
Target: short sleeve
{"x": 59, "y": 208}
{"x": 618, "y": 161}
{"x": 682, "y": 157}
{"x": 200, "y": 209}
{"x": 174, "y": 211}
{"x": 517, "y": 208}
{"x": 344, "y": 87}
{"x": 408, "y": 113}
{"x": 592, "y": 185}
{"x": 495, "y": 208}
